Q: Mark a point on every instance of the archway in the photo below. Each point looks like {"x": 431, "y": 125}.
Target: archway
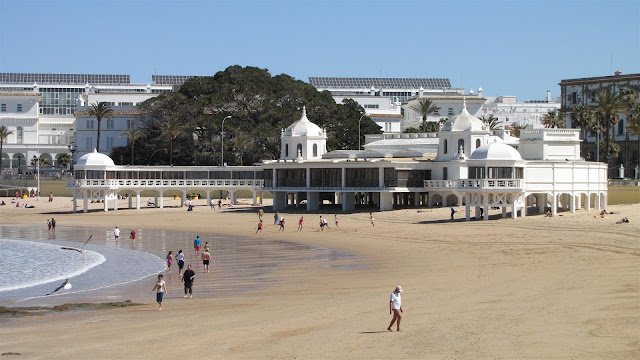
{"x": 48, "y": 160}
{"x": 6, "y": 161}
{"x": 452, "y": 200}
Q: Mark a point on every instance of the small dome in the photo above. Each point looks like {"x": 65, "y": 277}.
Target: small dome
{"x": 496, "y": 151}
{"x": 464, "y": 122}
{"x": 95, "y": 159}
{"x": 303, "y": 127}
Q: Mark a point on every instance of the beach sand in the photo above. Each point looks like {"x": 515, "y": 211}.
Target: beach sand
{"x": 534, "y": 287}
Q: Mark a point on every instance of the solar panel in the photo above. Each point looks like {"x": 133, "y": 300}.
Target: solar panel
{"x": 171, "y": 79}
{"x": 25, "y": 78}
{"x": 399, "y": 83}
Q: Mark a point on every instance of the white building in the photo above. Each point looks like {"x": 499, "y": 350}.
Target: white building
{"x": 449, "y": 104}
{"x": 470, "y": 167}
{"x": 510, "y": 112}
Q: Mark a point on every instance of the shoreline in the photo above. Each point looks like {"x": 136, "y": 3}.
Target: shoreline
{"x": 561, "y": 287}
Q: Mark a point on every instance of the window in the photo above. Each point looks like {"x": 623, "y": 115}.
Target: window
{"x": 444, "y": 151}
{"x": 299, "y": 150}
{"x": 286, "y": 150}
{"x": 460, "y": 145}
{"x": 3, "y": 107}
{"x": 371, "y": 106}
{"x": 19, "y": 135}
{"x": 450, "y": 112}
{"x": 445, "y": 173}
{"x": 88, "y": 143}
{"x": 621, "y": 127}
{"x": 477, "y": 143}
{"x": 574, "y": 97}
{"x": 315, "y": 150}
{"x": 19, "y": 108}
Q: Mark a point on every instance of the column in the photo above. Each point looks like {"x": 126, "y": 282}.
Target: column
{"x": 209, "y": 197}
{"x": 523, "y": 212}
{"x": 255, "y": 198}
{"x": 85, "y": 203}
{"x": 504, "y": 210}
{"x": 279, "y": 200}
{"x": 130, "y": 198}
{"x": 183, "y": 198}
{"x": 137, "y": 199}
{"x": 467, "y": 212}
{"x": 115, "y": 202}
{"x": 554, "y": 204}
{"x": 75, "y": 201}
{"x": 541, "y": 200}
{"x": 514, "y": 210}
{"x": 343, "y": 178}
{"x": 429, "y": 199}
{"x": 477, "y": 214}
{"x": 155, "y": 199}
{"x": 386, "y": 201}
{"x": 587, "y": 202}
{"x": 105, "y": 202}
{"x": 416, "y": 198}
{"x": 348, "y": 201}
{"x": 233, "y": 196}
{"x": 313, "y": 201}
{"x": 572, "y": 202}
{"x": 160, "y": 197}
{"x": 485, "y": 216}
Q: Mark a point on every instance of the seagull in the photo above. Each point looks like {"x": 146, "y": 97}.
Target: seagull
{"x": 81, "y": 251}
{"x": 65, "y": 285}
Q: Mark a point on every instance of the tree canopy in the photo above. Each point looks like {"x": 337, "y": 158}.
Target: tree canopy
{"x": 260, "y": 105}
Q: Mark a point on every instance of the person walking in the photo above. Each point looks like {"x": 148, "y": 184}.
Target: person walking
{"x": 161, "y": 288}
{"x": 395, "y": 307}
{"x": 196, "y": 245}
{"x": 301, "y": 223}
{"x": 53, "y": 225}
{"x": 188, "y": 277}
{"x": 453, "y": 211}
{"x": 276, "y": 217}
{"x": 259, "y": 227}
{"x": 49, "y": 224}
{"x": 50, "y": 197}
{"x": 206, "y": 258}
{"x": 180, "y": 259}
{"x": 213, "y": 204}
{"x": 335, "y": 219}
{"x": 132, "y": 235}
{"x": 220, "y": 204}
{"x": 169, "y": 260}
{"x": 116, "y": 233}
{"x": 281, "y": 225}
{"x": 260, "y": 213}
{"x": 373, "y": 221}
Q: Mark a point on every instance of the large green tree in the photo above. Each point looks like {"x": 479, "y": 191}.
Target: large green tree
{"x": 608, "y": 107}
{"x": 260, "y": 106}
{"x": 4, "y": 133}
{"x": 132, "y": 134}
{"x": 100, "y": 111}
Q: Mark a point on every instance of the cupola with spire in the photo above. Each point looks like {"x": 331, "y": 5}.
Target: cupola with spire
{"x": 303, "y": 140}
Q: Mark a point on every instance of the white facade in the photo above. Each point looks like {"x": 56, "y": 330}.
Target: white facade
{"x": 450, "y": 104}
{"x": 510, "y": 112}
{"x": 303, "y": 140}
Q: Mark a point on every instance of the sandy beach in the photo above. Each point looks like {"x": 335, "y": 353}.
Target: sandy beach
{"x": 534, "y": 287}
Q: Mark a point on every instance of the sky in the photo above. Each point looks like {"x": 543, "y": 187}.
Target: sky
{"x": 521, "y": 48}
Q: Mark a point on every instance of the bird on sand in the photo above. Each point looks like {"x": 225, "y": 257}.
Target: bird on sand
{"x": 81, "y": 251}
{"x": 65, "y": 285}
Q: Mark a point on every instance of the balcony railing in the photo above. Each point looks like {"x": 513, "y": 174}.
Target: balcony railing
{"x": 157, "y": 183}
{"x": 467, "y": 184}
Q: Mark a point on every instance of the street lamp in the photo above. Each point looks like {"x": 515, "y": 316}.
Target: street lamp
{"x": 37, "y": 161}
{"x": 73, "y": 148}
{"x": 363, "y": 115}
{"x": 222, "y": 140}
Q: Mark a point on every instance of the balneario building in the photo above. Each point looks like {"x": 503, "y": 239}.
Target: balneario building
{"x": 468, "y": 165}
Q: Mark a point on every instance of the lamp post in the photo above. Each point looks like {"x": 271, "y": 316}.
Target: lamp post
{"x": 37, "y": 160}
{"x": 73, "y": 148}
{"x": 222, "y": 140}
{"x": 363, "y": 115}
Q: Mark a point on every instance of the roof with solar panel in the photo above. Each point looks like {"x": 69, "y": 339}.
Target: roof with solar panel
{"x": 395, "y": 83}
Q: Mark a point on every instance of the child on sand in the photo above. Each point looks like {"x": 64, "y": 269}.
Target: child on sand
{"x": 335, "y": 219}
{"x": 373, "y": 221}
{"x": 281, "y": 225}
{"x": 301, "y": 223}
{"x": 169, "y": 260}
{"x": 161, "y": 288}
{"x": 259, "y": 227}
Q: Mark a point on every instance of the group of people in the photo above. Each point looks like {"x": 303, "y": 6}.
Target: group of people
{"x": 116, "y": 234}
{"x": 51, "y": 224}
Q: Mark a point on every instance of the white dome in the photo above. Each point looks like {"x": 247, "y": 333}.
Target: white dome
{"x": 95, "y": 159}
{"x": 303, "y": 127}
{"x": 464, "y": 122}
{"x": 496, "y": 151}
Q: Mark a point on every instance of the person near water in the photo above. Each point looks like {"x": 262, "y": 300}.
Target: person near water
{"x": 188, "y": 277}
{"x": 49, "y": 224}
{"x": 161, "y": 288}
{"x": 373, "y": 221}
{"x": 259, "y": 227}
{"x": 116, "y": 233}
{"x": 335, "y": 219}
{"x": 301, "y": 223}
{"x": 196, "y": 245}
{"x": 180, "y": 259}
{"x": 169, "y": 260}
{"x": 132, "y": 236}
{"x": 206, "y": 258}
{"x": 395, "y": 307}
{"x": 53, "y": 225}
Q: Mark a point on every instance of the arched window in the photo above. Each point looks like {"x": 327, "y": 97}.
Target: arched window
{"x": 477, "y": 143}
{"x": 315, "y": 150}
{"x": 19, "y": 135}
{"x": 299, "y": 150}
{"x": 286, "y": 150}
{"x": 460, "y": 145}
{"x": 445, "y": 146}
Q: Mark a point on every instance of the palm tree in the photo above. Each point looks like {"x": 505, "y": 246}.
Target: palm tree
{"x": 35, "y": 161}
{"x": 553, "y": 119}
{"x": 424, "y": 107}
{"x": 609, "y": 105}
{"x": 241, "y": 142}
{"x": 171, "y": 128}
{"x": 582, "y": 116}
{"x": 632, "y": 111}
{"x": 132, "y": 134}
{"x": 101, "y": 111}
{"x": 514, "y": 129}
{"x": 4, "y": 132}
{"x": 492, "y": 122}
{"x": 64, "y": 159}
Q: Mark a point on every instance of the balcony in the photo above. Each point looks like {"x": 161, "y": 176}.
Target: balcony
{"x": 475, "y": 184}
{"x": 157, "y": 183}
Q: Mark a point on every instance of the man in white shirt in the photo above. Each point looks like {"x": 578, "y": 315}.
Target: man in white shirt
{"x": 116, "y": 233}
{"x": 395, "y": 307}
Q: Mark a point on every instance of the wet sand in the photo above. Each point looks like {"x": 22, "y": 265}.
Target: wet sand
{"x": 561, "y": 287}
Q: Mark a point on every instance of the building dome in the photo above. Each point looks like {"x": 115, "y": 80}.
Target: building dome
{"x": 496, "y": 151}
{"x": 95, "y": 159}
{"x": 303, "y": 127}
{"x": 464, "y": 122}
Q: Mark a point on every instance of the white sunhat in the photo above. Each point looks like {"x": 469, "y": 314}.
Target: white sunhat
{"x": 399, "y": 288}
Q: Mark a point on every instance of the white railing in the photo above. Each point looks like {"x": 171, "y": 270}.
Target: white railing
{"x": 475, "y": 184}
{"x": 164, "y": 183}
